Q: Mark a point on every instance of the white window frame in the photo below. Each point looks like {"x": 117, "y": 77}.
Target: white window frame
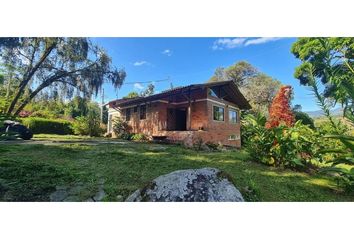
{"x": 234, "y": 137}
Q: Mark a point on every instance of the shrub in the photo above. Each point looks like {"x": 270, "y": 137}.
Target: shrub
{"x": 121, "y": 129}
{"x": 140, "y": 137}
{"x": 292, "y": 147}
{"x": 304, "y": 118}
{"x": 85, "y": 125}
{"x": 50, "y": 126}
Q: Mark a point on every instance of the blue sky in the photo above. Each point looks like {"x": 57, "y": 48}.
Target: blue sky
{"x": 193, "y": 60}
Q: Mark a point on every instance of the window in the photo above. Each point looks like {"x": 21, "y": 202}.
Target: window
{"x": 135, "y": 109}
{"x": 212, "y": 92}
{"x": 232, "y": 116}
{"x": 234, "y": 137}
{"x": 127, "y": 114}
{"x": 218, "y": 113}
{"x": 143, "y": 112}
{"x": 217, "y": 92}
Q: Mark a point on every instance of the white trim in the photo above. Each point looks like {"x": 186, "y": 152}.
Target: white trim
{"x": 235, "y": 108}
{"x": 214, "y": 101}
{"x": 237, "y": 137}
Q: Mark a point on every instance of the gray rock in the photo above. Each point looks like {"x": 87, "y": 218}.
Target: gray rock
{"x": 192, "y": 185}
{"x": 59, "y": 195}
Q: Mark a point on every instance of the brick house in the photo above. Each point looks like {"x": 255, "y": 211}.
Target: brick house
{"x": 209, "y": 111}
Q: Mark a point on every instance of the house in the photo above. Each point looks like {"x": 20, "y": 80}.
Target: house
{"x": 210, "y": 112}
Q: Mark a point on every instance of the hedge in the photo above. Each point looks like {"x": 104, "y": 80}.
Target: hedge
{"x": 43, "y": 125}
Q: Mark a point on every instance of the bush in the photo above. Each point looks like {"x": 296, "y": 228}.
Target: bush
{"x": 121, "y": 129}
{"x": 85, "y": 125}
{"x": 140, "y": 137}
{"x": 304, "y": 118}
{"x": 285, "y": 146}
{"x": 50, "y": 126}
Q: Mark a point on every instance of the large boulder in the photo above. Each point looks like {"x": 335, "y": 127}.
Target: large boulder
{"x": 192, "y": 185}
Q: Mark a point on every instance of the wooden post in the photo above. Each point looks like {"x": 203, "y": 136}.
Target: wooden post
{"x": 189, "y": 123}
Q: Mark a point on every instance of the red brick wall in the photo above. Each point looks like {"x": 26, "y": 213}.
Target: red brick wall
{"x": 201, "y": 117}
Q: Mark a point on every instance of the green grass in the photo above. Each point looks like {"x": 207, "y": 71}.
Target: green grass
{"x": 32, "y": 172}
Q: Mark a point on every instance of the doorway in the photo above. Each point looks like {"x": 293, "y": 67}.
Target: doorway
{"x": 177, "y": 119}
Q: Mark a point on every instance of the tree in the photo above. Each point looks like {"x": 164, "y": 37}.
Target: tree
{"x": 239, "y": 73}
{"x": 64, "y": 65}
{"x": 257, "y": 87}
{"x": 330, "y": 62}
{"x": 260, "y": 91}
{"x": 132, "y": 95}
{"x": 280, "y": 112}
{"x": 148, "y": 91}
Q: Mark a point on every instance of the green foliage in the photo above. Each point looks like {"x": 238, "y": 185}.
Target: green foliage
{"x": 43, "y": 125}
{"x": 132, "y": 95}
{"x": 139, "y": 137}
{"x": 304, "y": 118}
{"x": 36, "y": 169}
{"x": 292, "y": 147}
{"x": 89, "y": 124}
{"x": 239, "y": 72}
{"x": 121, "y": 129}
{"x": 330, "y": 61}
{"x": 257, "y": 87}
{"x": 344, "y": 155}
{"x": 60, "y": 66}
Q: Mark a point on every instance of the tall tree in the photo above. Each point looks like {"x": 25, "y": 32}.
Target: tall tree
{"x": 150, "y": 90}
{"x": 258, "y": 88}
{"x": 239, "y": 72}
{"x": 260, "y": 91}
{"x": 328, "y": 62}
{"x": 65, "y": 65}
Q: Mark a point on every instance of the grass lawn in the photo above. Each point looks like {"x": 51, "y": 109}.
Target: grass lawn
{"x": 31, "y": 172}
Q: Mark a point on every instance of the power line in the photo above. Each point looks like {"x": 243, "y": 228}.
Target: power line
{"x": 160, "y": 80}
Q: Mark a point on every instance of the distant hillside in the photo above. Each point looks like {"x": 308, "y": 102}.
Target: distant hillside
{"x": 319, "y": 113}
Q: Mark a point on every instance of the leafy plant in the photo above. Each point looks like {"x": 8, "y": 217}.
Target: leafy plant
{"x": 139, "y": 137}
{"x": 345, "y": 156}
{"x": 42, "y": 125}
{"x": 330, "y": 61}
{"x": 121, "y": 129}
{"x": 285, "y": 146}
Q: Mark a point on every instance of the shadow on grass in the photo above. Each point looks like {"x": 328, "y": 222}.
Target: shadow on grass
{"x": 31, "y": 172}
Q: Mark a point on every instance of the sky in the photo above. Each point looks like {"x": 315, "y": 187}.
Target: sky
{"x": 184, "y": 61}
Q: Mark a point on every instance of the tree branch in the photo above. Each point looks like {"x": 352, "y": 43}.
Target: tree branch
{"x": 27, "y": 77}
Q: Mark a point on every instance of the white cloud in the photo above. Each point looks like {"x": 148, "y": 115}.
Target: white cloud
{"x": 229, "y": 43}
{"x": 167, "y": 52}
{"x": 138, "y": 86}
{"x": 261, "y": 40}
{"x": 140, "y": 63}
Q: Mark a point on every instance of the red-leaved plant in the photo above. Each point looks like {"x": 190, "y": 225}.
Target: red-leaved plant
{"x": 280, "y": 112}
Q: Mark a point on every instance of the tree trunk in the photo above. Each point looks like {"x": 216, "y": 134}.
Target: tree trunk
{"x": 43, "y": 85}
{"x": 27, "y": 78}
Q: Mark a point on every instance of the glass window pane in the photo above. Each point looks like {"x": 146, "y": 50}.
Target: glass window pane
{"x": 232, "y": 116}
{"x": 218, "y": 113}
